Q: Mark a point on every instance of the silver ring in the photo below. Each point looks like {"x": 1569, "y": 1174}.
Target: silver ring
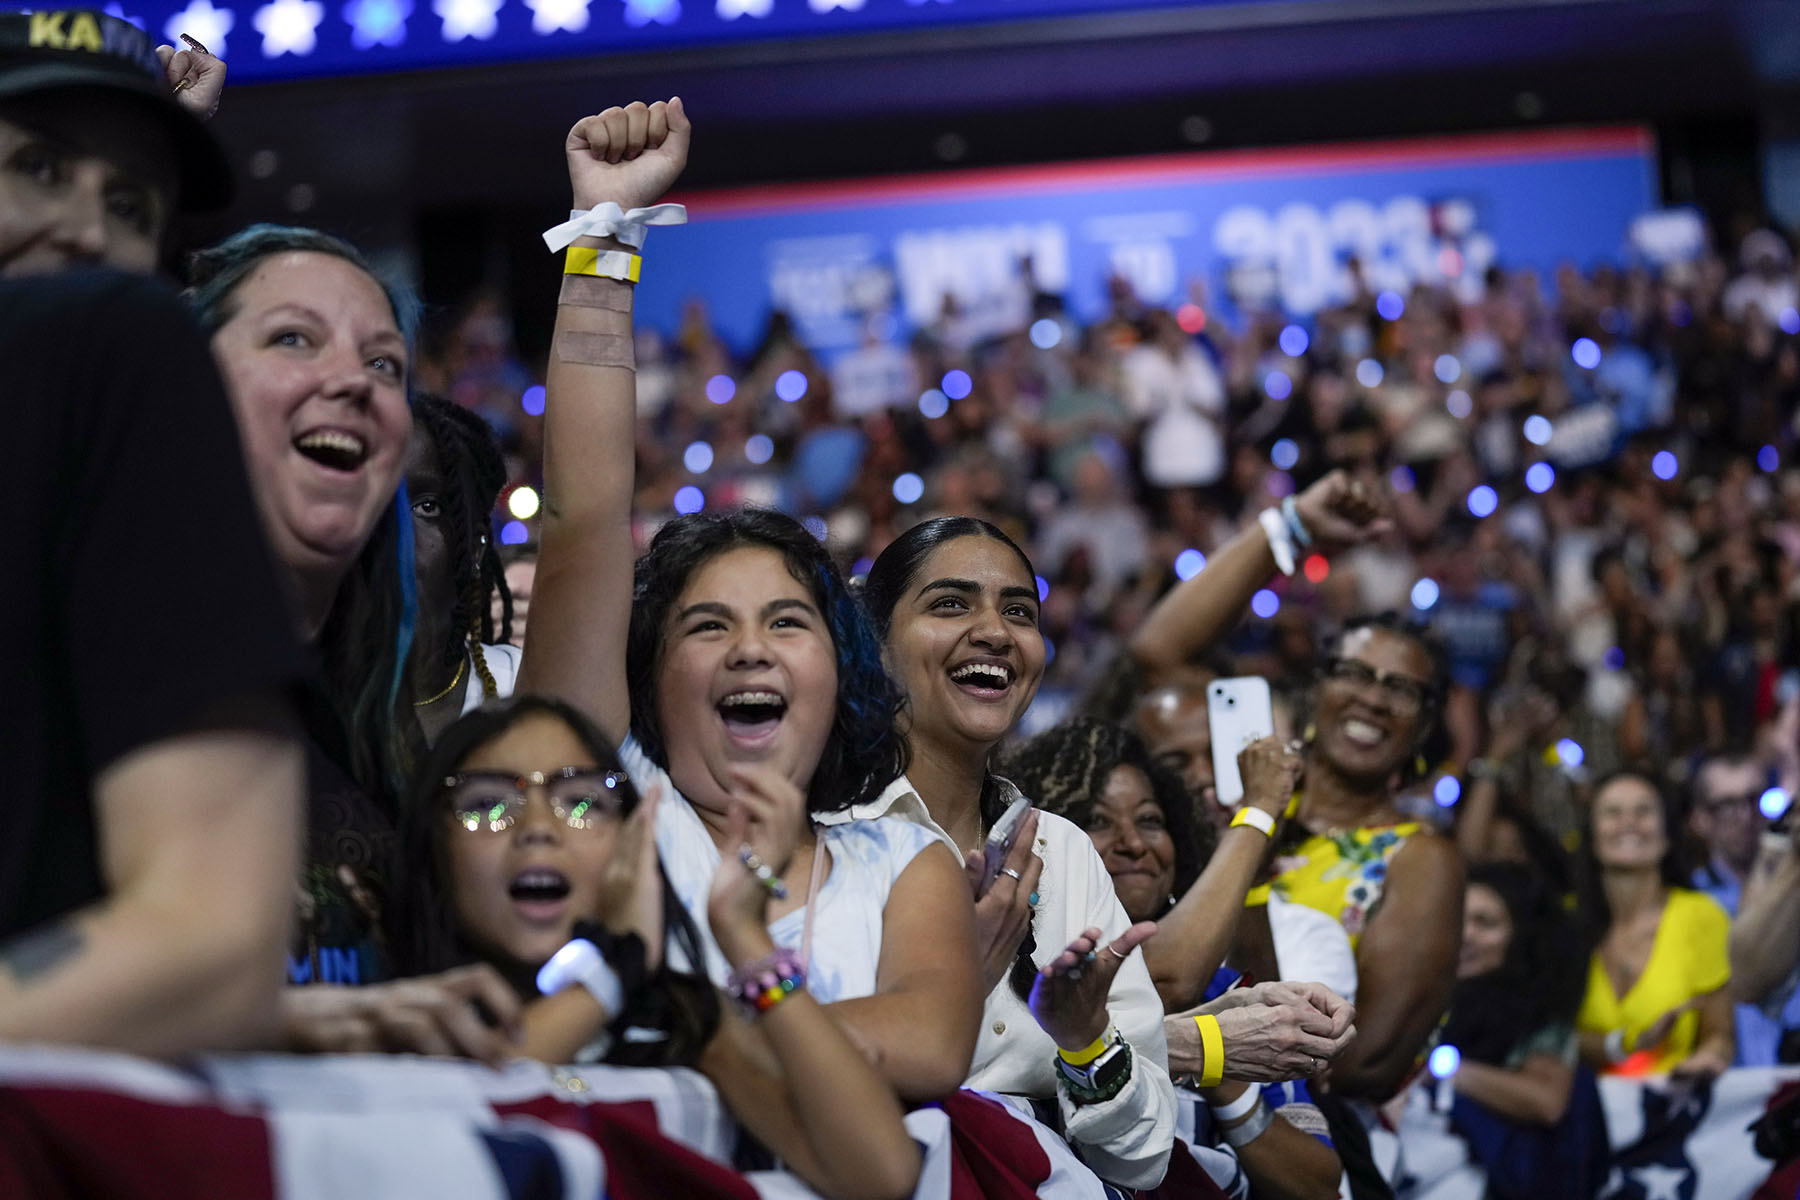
{"x": 1108, "y": 948}
{"x": 1008, "y": 871}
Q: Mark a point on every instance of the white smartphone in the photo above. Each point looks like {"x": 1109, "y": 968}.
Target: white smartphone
{"x": 1000, "y": 841}
{"x": 1239, "y": 712}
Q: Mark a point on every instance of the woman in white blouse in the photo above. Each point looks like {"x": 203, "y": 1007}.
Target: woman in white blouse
{"x": 1071, "y": 1013}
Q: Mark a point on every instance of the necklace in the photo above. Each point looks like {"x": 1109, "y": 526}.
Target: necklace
{"x": 460, "y": 668}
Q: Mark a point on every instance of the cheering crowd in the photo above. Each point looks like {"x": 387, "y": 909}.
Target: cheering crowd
{"x": 916, "y": 795}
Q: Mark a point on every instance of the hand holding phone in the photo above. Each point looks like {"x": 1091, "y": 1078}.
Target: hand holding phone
{"x": 1000, "y": 841}
{"x": 1238, "y": 711}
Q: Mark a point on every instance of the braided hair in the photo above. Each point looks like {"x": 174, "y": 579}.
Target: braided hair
{"x": 473, "y": 471}
{"x": 1065, "y": 769}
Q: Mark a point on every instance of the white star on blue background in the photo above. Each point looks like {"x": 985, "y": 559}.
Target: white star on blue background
{"x": 377, "y": 22}
{"x": 639, "y": 13}
{"x": 289, "y": 26}
{"x": 558, "y": 16}
{"x": 202, "y": 22}
{"x": 468, "y": 18}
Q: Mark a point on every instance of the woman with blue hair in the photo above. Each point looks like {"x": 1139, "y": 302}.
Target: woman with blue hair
{"x": 314, "y": 347}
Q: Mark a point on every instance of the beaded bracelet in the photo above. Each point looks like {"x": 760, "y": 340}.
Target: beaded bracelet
{"x": 765, "y": 874}
{"x": 768, "y": 981}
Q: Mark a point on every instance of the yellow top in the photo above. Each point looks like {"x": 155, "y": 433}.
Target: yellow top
{"x": 1342, "y": 874}
{"x": 1688, "y": 959}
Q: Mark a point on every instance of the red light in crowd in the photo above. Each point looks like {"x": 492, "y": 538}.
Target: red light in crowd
{"x": 1191, "y": 318}
{"x": 1317, "y": 568}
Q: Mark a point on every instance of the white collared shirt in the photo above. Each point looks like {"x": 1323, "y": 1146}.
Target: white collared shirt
{"x": 1125, "y": 1140}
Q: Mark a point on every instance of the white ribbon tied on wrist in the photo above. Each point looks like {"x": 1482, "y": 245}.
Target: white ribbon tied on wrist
{"x": 609, "y": 220}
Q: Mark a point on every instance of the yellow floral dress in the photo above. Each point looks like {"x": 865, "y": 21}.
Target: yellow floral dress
{"x": 1342, "y": 873}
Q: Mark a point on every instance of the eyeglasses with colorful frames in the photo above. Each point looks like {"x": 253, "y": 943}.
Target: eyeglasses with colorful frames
{"x": 493, "y": 801}
{"x": 1404, "y": 694}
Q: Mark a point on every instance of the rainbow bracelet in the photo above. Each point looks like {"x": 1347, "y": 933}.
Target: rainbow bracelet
{"x": 768, "y": 981}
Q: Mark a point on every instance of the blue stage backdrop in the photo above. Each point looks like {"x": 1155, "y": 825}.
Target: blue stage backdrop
{"x": 272, "y": 39}
{"x": 1253, "y": 227}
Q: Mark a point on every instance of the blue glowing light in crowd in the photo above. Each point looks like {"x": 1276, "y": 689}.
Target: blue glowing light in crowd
{"x": 1665, "y": 465}
{"x": 698, "y": 458}
{"x": 1773, "y": 802}
{"x": 861, "y": 566}
{"x": 1789, "y": 320}
{"x": 1768, "y": 458}
{"x": 790, "y": 385}
{"x": 1539, "y": 477}
{"x": 1446, "y": 791}
{"x": 1424, "y": 594}
{"x": 1265, "y": 604}
{"x": 957, "y": 384}
{"x": 1369, "y": 373}
{"x": 815, "y": 526}
{"x": 1278, "y": 385}
{"x": 1402, "y": 479}
{"x": 1046, "y": 334}
{"x": 1043, "y": 588}
{"x": 1390, "y": 306}
{"x": 1444, "y": 1062}
{"x": 1459, "y": 404}
{"x": 1049, "y": 651}
{"x": 1448, "y": 368}
{"x": 759, "y": 448}
{"x": 532, "y": 401}
{"x": 1569, "y": 753}
{"x": 908, "y": 488}
{"x": 1483, "y": 500}
{"x": 689, "y": 500}
{"x": 1614, "y": 658}
{"x": 1189, "y": 563}
{"x": 514, "y": 533}
{"x": 1538, "y": 429}
{"x": 1586, "y": 353}
{"x": 720, "y": 389}
{"x": 1294, "y": 341}
{"x": 933, "y": 404}
{"x": 1284, "y": 454}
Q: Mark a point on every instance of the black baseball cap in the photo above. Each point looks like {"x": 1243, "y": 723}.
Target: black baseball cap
{"x": 82, "y": 48}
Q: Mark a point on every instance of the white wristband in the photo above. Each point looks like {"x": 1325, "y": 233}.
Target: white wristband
{"x": 1281, "y": 539}
{"x": 580, "y": 961}
{"x": 1240, "y": 1107}
{"x": 609, "y": 220}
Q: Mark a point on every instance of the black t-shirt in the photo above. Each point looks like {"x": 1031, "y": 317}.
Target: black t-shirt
{"x": 139, "y": 598}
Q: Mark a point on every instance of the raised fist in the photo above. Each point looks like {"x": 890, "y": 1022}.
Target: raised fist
{"x": 628, "y": 155}
{"x": 1341, "y": 511}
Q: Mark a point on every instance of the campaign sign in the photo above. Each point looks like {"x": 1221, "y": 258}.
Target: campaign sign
{"x": 1259, "y": 228}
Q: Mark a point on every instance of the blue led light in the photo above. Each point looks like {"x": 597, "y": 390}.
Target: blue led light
{"x": 532, "y": 400}
{"x": 1789, "y": 320}
{"x": 790, "y": 386}
{"x": 1483, "y": 500}
{"x": 861, "y": 567}
{"x": 720, "y": 389}
{"x": 1586, "y": 353}
{"x": 698, "y": 458}
{"x": 1046, "y": 334}
{"x": 1189, "y": 563}
{"x": 1402, "y": 479}
{"x": 1446, "y": 791}
{"x": 1773, "y": 802}
{"x": 1294, "y": 341}
{"x": 908, "y": 488}
{"x": 759, "y": 449}
{"x": 1390, "y": 306}
{"x": 1444, "y": 1062}
{"x": 514, "y": 533}
{"x": 1768, "y": 458}
{"x": 1540, "y": 476}
{"x": 1459, "y": 404}
{"x": 1665, "y": 465}
{"x": 689, "y": 500}
{"x": 815, "y": 526}
{"x": 1569, "y": 752}
{"x": 1265, "y": 604}
{"x": 1424, "y": 594}
{"x": 1043, "y": 588}
{"x": 1538, "y": 429}
{"x": 1278, "y": 385}
{"x": 1448, "y": 368}
{"x": 1284, "y": 454}
{"x": 1369, "y": 373}
{"x": 957, "y": 384}
{"x": 933, "y": 404}
{"x": 1614, "y": 658}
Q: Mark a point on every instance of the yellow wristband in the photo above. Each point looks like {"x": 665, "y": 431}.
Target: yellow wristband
{"x": 607, "y": 264}
{"x": 1212, "y": 1048}
{"x": 1293, "y": 806}
{"x": 1087, "y": 1054}
{"x": 1256, "y": 819}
